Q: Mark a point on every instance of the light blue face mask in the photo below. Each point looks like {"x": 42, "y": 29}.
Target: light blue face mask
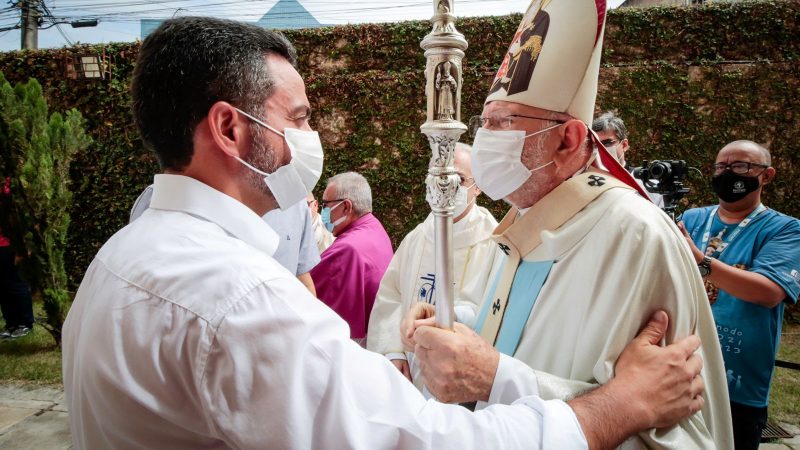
{"x": 325, "y": 215}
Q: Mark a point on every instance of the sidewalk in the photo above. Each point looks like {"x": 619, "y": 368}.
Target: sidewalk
{"x": 35, "y": 417}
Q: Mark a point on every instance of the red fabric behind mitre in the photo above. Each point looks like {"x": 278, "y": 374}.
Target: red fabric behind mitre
{"x": 601, "y": 17}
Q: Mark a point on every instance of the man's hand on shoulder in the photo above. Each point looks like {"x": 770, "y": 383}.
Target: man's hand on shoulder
{"x": 653, "y": 387}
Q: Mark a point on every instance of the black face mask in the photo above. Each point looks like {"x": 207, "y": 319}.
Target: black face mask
{"x": 731, "y": 187}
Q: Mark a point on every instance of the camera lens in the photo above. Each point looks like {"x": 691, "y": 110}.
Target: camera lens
{"x": 659, "y": 170}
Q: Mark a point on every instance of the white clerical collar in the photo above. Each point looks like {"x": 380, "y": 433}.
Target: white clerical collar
{"x": 186, "y": 194}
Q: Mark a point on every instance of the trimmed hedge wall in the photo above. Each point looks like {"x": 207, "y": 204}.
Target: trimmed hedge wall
{"x": 685, "y": 80}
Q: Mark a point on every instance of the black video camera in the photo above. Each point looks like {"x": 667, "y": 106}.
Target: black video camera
{"x": 665, "y": 177}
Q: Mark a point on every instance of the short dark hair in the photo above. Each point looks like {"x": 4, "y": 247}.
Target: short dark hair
{"x": 189, "y": 63}
{"x": 609, "y": 121}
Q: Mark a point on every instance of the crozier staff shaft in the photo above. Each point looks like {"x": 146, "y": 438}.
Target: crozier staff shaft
{"x": 444, "y": 49}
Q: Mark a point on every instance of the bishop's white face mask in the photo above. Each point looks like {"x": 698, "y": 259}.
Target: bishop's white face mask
{"x": 497, "y": 161}
{"x": 307, "y": 154}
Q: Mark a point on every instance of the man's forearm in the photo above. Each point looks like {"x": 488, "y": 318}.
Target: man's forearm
{"x": 308, "y": 282}
{"x": 606, "y": 416}
{"x": 747, "y": 286}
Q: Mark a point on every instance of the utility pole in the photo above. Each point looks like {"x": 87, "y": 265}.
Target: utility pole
{"x": 30, "y": 24}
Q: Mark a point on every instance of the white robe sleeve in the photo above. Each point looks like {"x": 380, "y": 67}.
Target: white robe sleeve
{"x": 283, "y": 373}
{"x": 481, "y": 259}
{"x": 515, "y": 379}
{"x": 383, "y": 330}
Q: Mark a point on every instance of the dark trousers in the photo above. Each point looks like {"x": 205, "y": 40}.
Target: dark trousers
{"x": 748, "y": 422}
{"x": 15, "y": 295}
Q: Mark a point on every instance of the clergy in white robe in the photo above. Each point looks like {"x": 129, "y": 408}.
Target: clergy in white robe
{"x": 613, "y": 263}
{"x": 410, "y": 279}
{"x": 411, "y": 276}
{"x": 589, "y": 259}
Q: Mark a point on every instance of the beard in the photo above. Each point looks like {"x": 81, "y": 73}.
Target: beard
{"x": 262, "y": 157}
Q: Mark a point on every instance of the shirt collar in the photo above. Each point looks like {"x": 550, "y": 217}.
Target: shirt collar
{"x": 188, "y": 195}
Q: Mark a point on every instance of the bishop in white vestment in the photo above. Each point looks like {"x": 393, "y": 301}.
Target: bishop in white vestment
{"x": 587, "y": 259}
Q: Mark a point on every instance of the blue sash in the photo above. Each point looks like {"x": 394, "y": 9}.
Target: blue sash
{"x": 528, "y": 282}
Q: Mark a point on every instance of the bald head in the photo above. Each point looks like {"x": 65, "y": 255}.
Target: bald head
{"x": 463, "y": 160}
{"x": 736, "y": 151}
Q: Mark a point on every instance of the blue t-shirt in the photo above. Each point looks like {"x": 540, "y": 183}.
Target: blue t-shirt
{"x": 749, "y": 334}
{"x": 297, "y": 250}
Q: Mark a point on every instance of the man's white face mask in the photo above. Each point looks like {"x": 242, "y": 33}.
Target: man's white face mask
{"x": 291, "y": 183}
{"x": 497, "y": 161}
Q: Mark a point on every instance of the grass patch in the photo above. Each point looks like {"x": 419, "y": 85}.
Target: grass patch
{"x": 31, "y": 359}
{"x": 784, "y": 398}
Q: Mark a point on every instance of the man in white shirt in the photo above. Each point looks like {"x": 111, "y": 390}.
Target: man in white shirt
{"x": 200, "y": 339}
{"x": 410, "y": 277}
{"x": 297, "y": 250}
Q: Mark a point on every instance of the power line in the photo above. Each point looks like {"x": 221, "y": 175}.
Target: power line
{"x": 49, "y": 15}
{"x": 335, "y": 8}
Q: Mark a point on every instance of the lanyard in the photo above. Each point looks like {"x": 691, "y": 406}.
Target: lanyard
{"x": 742, "y": 225}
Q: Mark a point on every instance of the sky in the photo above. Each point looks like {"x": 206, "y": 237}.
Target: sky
{"x": 118, "y": 20}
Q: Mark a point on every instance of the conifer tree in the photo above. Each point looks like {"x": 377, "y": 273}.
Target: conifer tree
{"x": 35, "y": 153}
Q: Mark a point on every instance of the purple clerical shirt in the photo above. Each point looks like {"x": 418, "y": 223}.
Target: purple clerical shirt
{"x": 350, "y": 270}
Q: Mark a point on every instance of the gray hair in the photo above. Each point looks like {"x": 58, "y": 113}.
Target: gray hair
{"x": 354, "y": 187}
{"x": 608, "y": 121}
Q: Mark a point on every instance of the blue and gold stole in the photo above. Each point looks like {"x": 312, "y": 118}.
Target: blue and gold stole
{"x": 513, "y": 292}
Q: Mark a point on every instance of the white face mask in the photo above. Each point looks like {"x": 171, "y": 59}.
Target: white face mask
{"x": 285, "y": 184}
{"x": 306, "y": 148}
{"x": 461, "y": 200}
{"x": 497, "y": 161}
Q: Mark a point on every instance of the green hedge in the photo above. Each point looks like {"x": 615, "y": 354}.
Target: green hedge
{"x": 667, "y": 71}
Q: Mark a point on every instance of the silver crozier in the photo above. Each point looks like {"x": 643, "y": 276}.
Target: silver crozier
{"x": 444, "y": 48}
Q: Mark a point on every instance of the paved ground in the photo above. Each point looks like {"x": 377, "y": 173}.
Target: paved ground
{"x": 35, "y": 418}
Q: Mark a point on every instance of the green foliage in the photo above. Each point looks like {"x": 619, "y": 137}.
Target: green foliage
{"x": 37, "y": 151}
{"x": 669, "y": 72}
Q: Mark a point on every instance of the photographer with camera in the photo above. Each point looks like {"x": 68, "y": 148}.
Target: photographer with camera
{"x": 749, "y": 257}
{"x": 613, "y": 135}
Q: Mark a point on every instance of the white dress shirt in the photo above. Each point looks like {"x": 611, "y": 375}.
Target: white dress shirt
{"x": 185, "y": 333}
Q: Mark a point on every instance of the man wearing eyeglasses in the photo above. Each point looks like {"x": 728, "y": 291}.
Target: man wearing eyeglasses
{"x": 613, "y": 135}
{"x": 585, "y": 256}
{"x": 350, "y": 270}
{"x": 749, "y": 256}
